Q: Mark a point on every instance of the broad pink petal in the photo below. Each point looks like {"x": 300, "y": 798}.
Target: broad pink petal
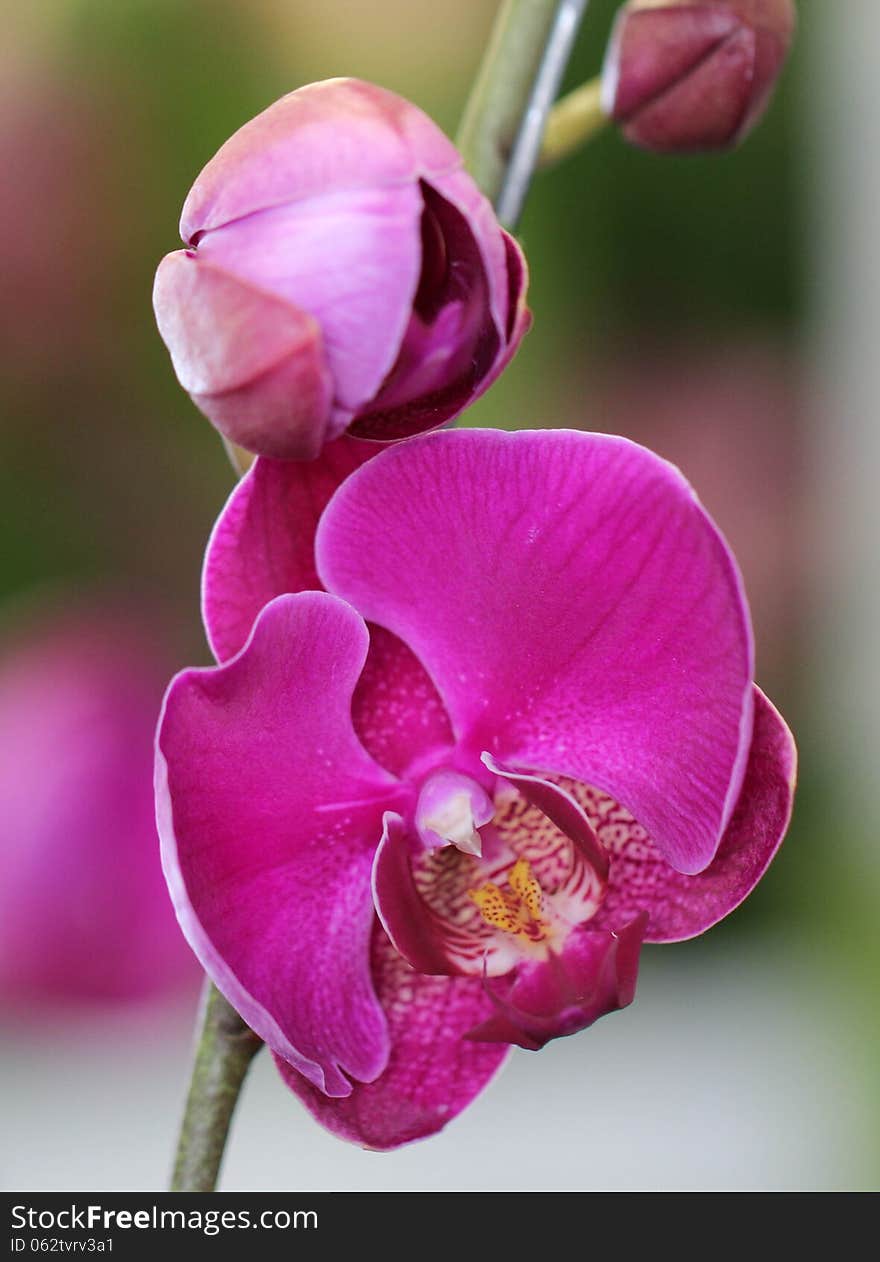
{"x": 253, "y": 363}
{"x": 576, "y": 607}
{"x": 433, "y": 1073}
{"x": 352, "y": 261}
{"x": 595, "y": 974}
{"x": 263, "y": 544}
{"x": 683, "y": 906}
{"x": 334, "y": 136}
{"x": 269, "y": 812}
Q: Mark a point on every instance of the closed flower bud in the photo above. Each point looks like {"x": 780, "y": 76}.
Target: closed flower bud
{"x": 684, "y": 76}
{"x": 341, "y": 272}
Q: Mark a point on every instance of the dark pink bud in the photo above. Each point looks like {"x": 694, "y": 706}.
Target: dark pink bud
{"x": 682, "y": 76}
{"x": 342, "y": 271}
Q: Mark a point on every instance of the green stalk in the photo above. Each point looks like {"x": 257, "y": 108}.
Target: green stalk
{"x": 223, "y": 1055}
{"x": 503, "y": 125}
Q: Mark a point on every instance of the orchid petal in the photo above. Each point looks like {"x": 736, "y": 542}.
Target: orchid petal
{"x": 269, "y": 812}
{"x": 433, "y": 1072}
{"x": 700, "y": 31}
{"x": 351, "y": 261}
{"x": 561, "y": 808}
{"x": 334, "y": 136}
{"x": 595, "y": 974}
{"x": 455, "y": 332}
{"x": 255, "y": 364}
{"x": 405, "y": 917}
{"x": 683, "y": 906}
{"x": 263, "y": 544}
{"x": 576, "y": 607}
{"x": 495, "y": 247}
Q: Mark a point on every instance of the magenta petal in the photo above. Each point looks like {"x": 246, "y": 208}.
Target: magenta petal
{"x": 263, "y": 544}
{"x": 576, "y": 607}
{"x": 400, "y": 907}
{"x": 560, "y": 808}
{"x": 433, "y": 1073}
{"x": 683, "y": 906}
{"x": 269, "y": 811}
{"x": 397, "y": 712}
{"x": 595, "y": 974}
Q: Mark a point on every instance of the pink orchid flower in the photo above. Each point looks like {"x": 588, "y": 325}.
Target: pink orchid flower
{"x": 684, "y": 76}
{"x": 434, "y": 809}
{"x": 342, "y": 271}
{"x": 84, "y": 912}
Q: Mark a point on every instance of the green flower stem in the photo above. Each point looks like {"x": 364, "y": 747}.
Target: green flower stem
{"x": 504, "y": 121}
{"x": 501, "y": 140}
{"x": 223, "y": 1055}
{"x": 572, "y": 122}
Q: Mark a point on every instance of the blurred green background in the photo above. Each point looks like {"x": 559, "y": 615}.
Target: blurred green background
{"x": 677, "y": 301}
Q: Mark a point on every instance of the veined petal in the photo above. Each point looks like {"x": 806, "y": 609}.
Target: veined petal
{"x": 576, "y": 607}
{"x": 562, "y": 810}
{"x": 433, "y": 1073}
{"x": 683, "y": 906}
{"x": 269, "y": 811}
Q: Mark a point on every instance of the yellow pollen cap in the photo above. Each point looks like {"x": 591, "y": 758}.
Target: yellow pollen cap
{"x": 517, "y": 912}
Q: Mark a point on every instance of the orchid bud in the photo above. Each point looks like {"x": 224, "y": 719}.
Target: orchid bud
{"x": 684, "y": 76}
{"x": 341, "y": 272}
